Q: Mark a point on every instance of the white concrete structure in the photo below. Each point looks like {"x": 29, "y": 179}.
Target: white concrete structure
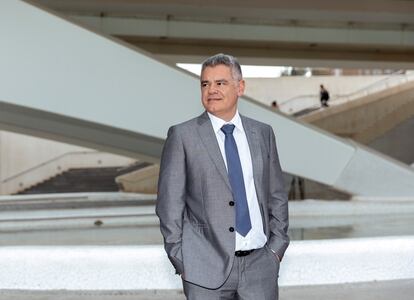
{"x": 139, "y": 267}
{"x": 121, "y": 267}
{"x": 121, "y": 100}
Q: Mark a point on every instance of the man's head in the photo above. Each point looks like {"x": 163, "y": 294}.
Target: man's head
{"x": 221, "y": 85}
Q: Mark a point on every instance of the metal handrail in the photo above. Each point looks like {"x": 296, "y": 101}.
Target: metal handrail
{"x": 296, "y": 98}
{"x": 365, "y": 91}
{"x": 373, "y": 88}
{"x": 48, "y": 162}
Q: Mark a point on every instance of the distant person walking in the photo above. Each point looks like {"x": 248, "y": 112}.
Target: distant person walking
{"x": 274, "y": 105}
{"x": 324, "y": 96}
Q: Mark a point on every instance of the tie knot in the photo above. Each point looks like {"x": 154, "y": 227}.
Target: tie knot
{"x": 228, "y": 129}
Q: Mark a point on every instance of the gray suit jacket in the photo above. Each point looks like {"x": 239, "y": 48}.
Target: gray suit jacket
{"x": 194, "y": 194}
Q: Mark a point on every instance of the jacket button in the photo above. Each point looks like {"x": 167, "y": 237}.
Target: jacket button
{"x": 231, "y": 229}
{"x": 231, "y": 203}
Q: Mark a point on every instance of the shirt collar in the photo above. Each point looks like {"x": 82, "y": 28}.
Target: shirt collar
{"x": 218, "y": 123}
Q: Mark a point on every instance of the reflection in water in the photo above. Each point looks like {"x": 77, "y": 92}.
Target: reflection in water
{"x": 320, "y": 233}
{"x": 138, "y": 225}
{"x": 314, "y": 228}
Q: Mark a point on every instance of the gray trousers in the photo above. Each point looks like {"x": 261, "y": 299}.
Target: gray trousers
{"x": 253, "y": 277}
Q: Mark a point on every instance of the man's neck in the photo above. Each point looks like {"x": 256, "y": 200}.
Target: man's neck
{"x": 225, "y": 117}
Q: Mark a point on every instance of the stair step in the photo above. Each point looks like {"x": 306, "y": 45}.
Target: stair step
{"x": 84, "y": 180}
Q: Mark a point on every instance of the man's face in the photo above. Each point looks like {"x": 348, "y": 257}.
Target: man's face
{"x": 220, "y": 91}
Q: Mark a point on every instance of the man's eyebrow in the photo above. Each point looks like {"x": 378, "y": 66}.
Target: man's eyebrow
{"x": 217, "y": 80}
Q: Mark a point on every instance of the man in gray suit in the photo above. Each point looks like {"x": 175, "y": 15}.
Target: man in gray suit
{"x": 221, "y": 201}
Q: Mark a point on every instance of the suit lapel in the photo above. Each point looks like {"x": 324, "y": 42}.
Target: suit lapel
{"x": 253, "y": 139}
{"x": 209, "y": 140}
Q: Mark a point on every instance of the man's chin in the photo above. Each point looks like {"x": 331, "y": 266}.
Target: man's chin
{"x": 211, "y": 108}
{"x": 214, "y": 111}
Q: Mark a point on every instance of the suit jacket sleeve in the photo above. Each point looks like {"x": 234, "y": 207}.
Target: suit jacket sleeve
{"x": 171, "y": 197}
{"x": 277, "y": 203}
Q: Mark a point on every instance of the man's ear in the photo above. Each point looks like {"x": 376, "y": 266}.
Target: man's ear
{"x": 241, "y": 87}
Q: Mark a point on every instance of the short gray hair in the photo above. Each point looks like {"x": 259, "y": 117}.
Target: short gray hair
{"x": 224, "y": 59}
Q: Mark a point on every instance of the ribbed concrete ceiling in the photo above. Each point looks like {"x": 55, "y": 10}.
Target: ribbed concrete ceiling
{"x": 364, "y": 11}
{"x": 352, "y": 33}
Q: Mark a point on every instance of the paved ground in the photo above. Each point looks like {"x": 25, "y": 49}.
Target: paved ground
{"x": 399, "y": 289}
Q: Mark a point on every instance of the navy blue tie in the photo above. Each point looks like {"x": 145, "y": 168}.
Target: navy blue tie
{"x": 235, "y": 173}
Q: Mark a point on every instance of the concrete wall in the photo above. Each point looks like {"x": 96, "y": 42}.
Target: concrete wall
{"x": 20, "y": 152}
{"x": 398, "y": 142}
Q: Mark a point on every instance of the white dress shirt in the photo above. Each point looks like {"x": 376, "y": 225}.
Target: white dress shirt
{"x": 255, "y": 238}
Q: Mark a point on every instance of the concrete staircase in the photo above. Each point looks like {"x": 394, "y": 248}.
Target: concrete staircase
{"x": 84, "y": 180}
{"x": 369, "y": 117}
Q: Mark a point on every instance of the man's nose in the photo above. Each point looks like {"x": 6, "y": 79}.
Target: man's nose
{"x": 212, "y": 89}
